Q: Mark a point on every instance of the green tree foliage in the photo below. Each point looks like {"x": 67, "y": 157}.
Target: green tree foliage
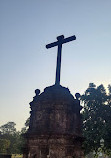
{"x": 8, "y": 128}
{"x": 9, "y": 134}
{"x": 11, "y": 140}
{"x": 97, "y": 118}
{"x": 4, "y": 145}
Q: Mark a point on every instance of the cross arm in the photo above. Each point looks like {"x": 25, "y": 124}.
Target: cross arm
{"x": 52, "y": 44}
{"x": 61, "y": 40}
{"x": 69, "y": 39}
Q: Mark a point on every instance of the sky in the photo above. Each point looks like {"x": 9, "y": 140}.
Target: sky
{"x": 26, "y": 26}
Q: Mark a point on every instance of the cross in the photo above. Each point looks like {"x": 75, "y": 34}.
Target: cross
{"x": 60, "y": 40}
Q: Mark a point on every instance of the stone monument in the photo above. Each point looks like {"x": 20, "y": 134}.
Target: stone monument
{"x": 55, "y": 120}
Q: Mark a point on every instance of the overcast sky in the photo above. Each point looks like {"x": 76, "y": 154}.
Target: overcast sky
{"x": 26, "y": 26}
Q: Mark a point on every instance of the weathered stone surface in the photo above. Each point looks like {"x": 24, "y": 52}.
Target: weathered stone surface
{"x": 55, "y": 125}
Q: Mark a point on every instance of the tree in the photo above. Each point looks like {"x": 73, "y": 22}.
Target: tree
{"x": 16, "y": 143}
{"x": 4, "y": 145}
{"x": 11, "y": 140}
{"x": 8, "y": 128}
{"x": 97, "y": 118}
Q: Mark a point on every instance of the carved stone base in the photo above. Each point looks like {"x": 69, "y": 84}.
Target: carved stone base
{"x": 56, "y": 146}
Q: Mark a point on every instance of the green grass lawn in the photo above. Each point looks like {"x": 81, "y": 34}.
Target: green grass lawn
{"x": 17, "y": 156}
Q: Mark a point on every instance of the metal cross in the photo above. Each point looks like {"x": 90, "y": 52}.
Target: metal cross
{"x": 60, "y": 40}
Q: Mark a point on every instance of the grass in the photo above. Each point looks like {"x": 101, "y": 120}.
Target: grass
{"x": 17, "y": 156}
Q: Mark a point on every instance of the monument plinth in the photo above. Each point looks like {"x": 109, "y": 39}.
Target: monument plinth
{"x": 55, "y": 120}
{"x": 55, "y": 125}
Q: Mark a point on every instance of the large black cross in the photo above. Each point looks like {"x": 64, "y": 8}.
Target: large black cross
{"x": 60, "y": 40}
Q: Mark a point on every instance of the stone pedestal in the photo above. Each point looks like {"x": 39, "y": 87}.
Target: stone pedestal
{"x": 55, "y": 125}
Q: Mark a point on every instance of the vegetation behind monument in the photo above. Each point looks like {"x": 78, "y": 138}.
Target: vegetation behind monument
{"x": 96, "y": 123}
{"x": 11, "y": 141}
{"x": 97, "y": 118}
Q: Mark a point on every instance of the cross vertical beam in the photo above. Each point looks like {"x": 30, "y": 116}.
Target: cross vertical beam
{"x": 59, "y": 43}
{"x": 58, "y": 66}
